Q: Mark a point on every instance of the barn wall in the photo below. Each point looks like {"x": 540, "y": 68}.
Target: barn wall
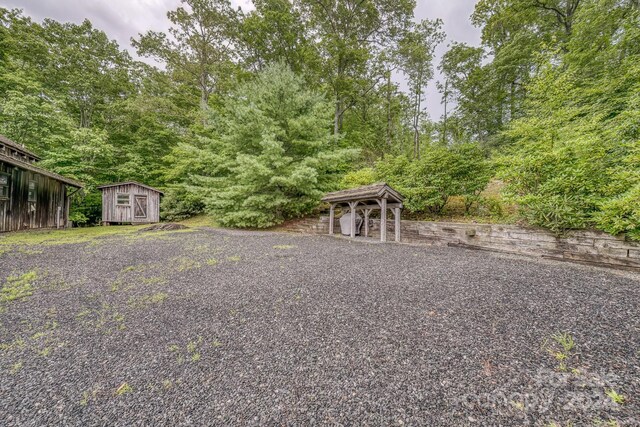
{"x": 112, "y": 212}
{"x": 17, "y": 213}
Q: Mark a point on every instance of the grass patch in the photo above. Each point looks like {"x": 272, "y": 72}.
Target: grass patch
{"x": 63, "y": 237}
{"x": 184, "y": 263}
{"x": 212, "y": 261}
{"x": 284, "y": 246}
{"x": 199, "y": 221}
{"x": 18, "y": 287}
{"x": 148, "y": 300}
{"x": 234, "y": 258}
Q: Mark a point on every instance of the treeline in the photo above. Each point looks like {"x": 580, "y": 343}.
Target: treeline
{"x": 253, "y": 115}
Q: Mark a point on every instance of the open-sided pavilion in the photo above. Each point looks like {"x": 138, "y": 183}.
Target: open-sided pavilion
{"x": 367, "y": 199}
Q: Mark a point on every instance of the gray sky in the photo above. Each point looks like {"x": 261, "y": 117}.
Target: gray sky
{"x": 123, "y": 19}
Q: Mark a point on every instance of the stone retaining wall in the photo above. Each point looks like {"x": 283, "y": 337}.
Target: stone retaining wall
{"x": 590, "y": 247}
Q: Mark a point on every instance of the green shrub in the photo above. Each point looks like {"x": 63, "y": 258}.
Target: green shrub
{"x": 179, "y": 203}
{"x": 441, "y": 172}
{"x": 621, "y": 214}
{"x": 364, "y": 176}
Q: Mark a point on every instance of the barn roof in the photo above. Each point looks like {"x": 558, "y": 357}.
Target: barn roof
{"x": 6, "y": 141}
{"x": 367, "y": 192}
{"x": 31, "y": 167}
{"x": 117, "y": 184}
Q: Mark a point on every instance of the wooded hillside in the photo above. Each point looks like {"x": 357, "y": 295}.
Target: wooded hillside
{"x": 253, "y": 115}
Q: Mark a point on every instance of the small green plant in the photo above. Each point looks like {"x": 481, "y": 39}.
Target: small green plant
{"x": 192, "y": 351}
{"x": 561, "y": 348}
{"x": 216, "y": 344}
{"x": 615, "y": 396}
{"x": 123, "y": 389}
{"x": 234, "y": 258}
{"x": 212, "y": 261}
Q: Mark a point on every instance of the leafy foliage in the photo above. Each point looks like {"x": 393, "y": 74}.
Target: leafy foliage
{"x": 441, "y": 172}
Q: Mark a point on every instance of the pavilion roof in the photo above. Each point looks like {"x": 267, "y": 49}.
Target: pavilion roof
{"x": 375, "y": 191}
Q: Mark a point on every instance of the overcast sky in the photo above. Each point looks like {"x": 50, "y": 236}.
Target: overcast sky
{"x": 123, "y": 19}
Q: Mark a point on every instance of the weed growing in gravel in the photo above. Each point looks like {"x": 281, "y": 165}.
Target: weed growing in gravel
{"x": 184, "y": 263}
{"x": 212, "y": 261}
{"x": 284, "y": 246}
{"x": 147, "y": 300}
{"x": 15, "y": 368}
{"x": 106, "y": 319}
{"x": 18, "y": 287}
{"x": 139, "y": 267}
{"x": 216, "y": 344}
{"x": 154, "y": 280}
{"x": 608, "y": 423}
{"x": 615, "y": 396}
{"x": 88, "y": 396}
{"x": 234, "y": 258}
{"x": 561, "y": 348}
{"x": 192, "y": 351}
{"x": 123, "y": 389}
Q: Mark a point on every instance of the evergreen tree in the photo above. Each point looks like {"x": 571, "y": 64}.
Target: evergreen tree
{"x": 275, "y": 156}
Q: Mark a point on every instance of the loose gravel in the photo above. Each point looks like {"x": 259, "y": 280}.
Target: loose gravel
{"x": 218, "y": 327}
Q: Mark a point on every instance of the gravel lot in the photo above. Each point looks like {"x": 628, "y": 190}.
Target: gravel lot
{"x": 218, "y": 327}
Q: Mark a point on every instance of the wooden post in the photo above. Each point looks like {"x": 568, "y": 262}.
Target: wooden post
{"x": 396, "y": 214}
{"x": 383, "y": 220}
{"x": 67, "y": 207}
{"x": 353, "y": 205}
{"x": 366, "y": 222}
{"x": 331, "y": 217}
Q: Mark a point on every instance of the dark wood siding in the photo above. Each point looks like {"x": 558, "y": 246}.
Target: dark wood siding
{"x": 46, "y": 210}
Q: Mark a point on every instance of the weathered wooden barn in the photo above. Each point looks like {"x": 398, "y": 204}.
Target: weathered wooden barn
{"x": 130, "y": 202}
{"x": 30, "y": 196}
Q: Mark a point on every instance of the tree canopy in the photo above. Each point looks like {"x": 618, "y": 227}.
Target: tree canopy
{"x": 252, "y": 115}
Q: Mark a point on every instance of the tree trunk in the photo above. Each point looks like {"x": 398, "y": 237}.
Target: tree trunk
{"x": 336, "y": 117}
{"x": 444, "y": 121}
{"x": 388, "y": 109}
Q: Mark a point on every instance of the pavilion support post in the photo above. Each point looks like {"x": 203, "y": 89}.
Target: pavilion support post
{"x": 352, "y": 206}
{"x": 332, "y": 215}
{"x": 383, "y": 220}
{"x": 396, "y": 214}
{"x": 366, "y": 222}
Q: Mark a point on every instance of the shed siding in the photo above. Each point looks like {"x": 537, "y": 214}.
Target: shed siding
{"x": 18, "y": 213}
{"x": 112, "y": 212}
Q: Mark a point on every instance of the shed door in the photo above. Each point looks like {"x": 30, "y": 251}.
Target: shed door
{"x": 140, "y": 207}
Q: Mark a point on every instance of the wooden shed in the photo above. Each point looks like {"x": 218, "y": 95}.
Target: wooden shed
{"x": 30, "y": 196}
{"x": 130, "y": 202}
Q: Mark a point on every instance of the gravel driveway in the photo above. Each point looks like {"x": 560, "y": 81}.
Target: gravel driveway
{"x": 218, "y": 327}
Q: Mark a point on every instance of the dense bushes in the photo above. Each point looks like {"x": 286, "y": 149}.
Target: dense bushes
{"x": 574, "y": 159}
{"x": 429, "y": 182}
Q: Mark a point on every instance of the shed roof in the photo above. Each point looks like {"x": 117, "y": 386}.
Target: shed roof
{"x": 36, "y": 169}
{"x": 6, "y": 141}
{"x": 117, "y": 184}
{"x": 367, "y": 192}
